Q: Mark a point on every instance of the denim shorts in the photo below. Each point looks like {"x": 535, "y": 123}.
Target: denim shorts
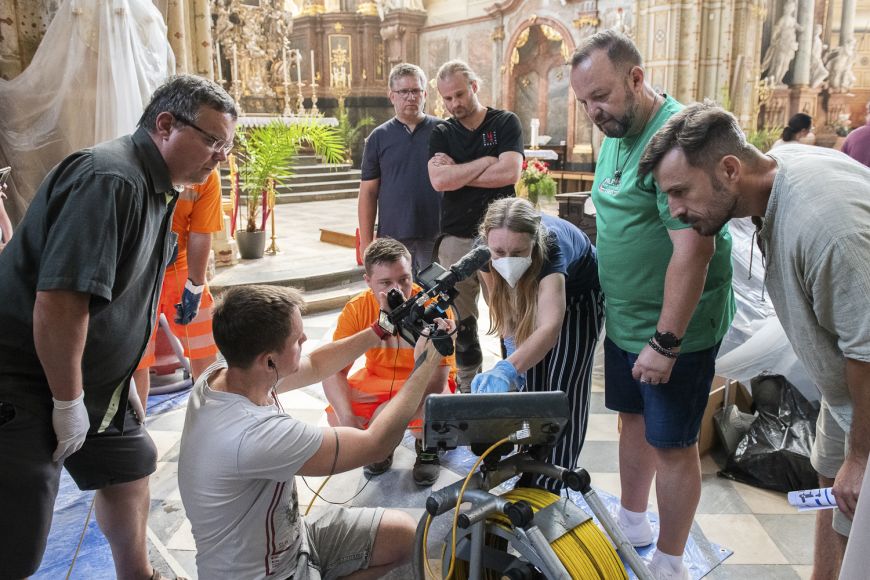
{"x": 672, "y": 411}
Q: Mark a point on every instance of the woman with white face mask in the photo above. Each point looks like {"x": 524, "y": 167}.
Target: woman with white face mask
{"x": 547, "y": 305}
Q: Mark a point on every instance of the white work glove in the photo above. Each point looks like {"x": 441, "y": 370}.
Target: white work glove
{"x": 71, "y": 423}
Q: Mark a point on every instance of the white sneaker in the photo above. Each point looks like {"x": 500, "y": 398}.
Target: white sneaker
{"x": 639, "y": 535}
{"x": 661, "y": 570}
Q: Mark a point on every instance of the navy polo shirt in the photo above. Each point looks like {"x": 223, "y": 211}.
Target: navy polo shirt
{"x": 408, "y": 205}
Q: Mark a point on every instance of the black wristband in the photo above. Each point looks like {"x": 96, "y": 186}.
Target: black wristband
{"x": 662, "y": 350}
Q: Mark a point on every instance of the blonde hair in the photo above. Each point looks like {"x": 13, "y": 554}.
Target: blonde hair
{"x": 450, "y": 68}
{"x": 515, "y": 310}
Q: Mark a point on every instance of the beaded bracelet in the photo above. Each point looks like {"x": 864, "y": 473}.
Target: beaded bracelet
{"x": 662, "y": 350}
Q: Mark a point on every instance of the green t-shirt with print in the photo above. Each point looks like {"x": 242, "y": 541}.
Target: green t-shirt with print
{"x": 634, "y": 250}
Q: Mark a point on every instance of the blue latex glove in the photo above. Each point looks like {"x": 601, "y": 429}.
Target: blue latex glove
{"x": 188, "y": 307}
{"x": 501, "y": 378}
{"x": 510, "y": 347}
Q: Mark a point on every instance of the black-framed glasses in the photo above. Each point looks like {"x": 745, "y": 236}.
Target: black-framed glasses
{"x": 408, "y": 93}
{"x": 217, "y": 145}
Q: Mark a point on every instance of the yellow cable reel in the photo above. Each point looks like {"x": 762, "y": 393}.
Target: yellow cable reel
{"x": 584, "y": 551}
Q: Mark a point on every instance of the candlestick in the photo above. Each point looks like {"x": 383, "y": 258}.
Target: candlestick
{"x": 284, "y": 60}
{"x": 297, "y": 57}
{"x": 535, "y": 124}
{"x": 313, "y": 80}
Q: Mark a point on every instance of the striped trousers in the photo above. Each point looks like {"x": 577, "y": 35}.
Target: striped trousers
{"x": 568, "y": 367}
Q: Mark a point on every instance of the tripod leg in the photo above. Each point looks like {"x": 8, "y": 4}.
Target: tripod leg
{"x": 623, "y": 546}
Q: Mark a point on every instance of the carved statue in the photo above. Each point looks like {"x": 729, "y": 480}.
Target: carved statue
{"x": 783, "y": 44}
{"x": 278, "y": 24}
{"x": 223, "y": 25}
{"x": 839, "y": 61}
{"x": 386, "y": 6}
{"x": 616, "y": 20}
{"x": 818, "y": 70}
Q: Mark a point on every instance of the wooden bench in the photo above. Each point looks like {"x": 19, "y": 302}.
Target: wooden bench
{"x": 574, "y": 208}
{"x": 573, "y": 180}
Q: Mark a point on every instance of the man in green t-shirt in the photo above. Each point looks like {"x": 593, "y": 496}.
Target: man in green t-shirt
{"x": 668, "y": 302}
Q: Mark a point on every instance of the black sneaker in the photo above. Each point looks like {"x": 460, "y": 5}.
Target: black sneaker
{"x": 378, "y": 467}
{"x": 426, "y": 467}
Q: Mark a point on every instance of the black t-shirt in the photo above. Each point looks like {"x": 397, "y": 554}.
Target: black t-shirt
{"x": 100, "y": 224}
{"x": 462, "y": 209}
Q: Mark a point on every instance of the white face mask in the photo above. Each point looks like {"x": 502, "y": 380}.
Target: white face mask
{"x": 512, "y": 269}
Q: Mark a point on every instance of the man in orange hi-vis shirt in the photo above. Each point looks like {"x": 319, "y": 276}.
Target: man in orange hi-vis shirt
{"x": 185, "y": 298}
{"x": 355, "y": 399}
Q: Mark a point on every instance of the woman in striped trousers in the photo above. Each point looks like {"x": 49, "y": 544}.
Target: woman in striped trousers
{"x": 546, "y": 303}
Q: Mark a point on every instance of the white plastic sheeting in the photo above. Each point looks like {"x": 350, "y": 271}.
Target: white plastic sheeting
{"x": 88, "y": 82}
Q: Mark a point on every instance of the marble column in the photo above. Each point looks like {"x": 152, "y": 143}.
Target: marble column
{"x": 801, "y": 65}
{"x": 177, "y": 31}
{"x": 802, "y": 97}
{"x": 201, "y": 39}
{"x": 847, "y": 22}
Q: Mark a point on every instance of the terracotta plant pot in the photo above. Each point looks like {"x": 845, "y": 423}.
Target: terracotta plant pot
{"x": 251, "y": 244}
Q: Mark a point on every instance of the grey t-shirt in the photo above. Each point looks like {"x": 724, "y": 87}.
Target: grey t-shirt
{"x": 236, "y": 478}
{"x": 816, "y": 238}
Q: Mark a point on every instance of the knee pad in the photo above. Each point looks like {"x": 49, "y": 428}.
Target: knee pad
{"x": 468, "y": 351}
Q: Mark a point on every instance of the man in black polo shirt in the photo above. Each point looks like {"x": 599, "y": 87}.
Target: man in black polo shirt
{"x": 475, "y": 157}
{"x": 395, "y": 184}
{"x": 80, "y": 282}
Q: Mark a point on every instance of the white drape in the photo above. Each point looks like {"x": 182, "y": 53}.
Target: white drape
{"x": 88, "y": 82}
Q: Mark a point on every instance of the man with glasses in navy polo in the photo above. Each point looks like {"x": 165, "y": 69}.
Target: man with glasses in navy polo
{"x": 395, "y": 185}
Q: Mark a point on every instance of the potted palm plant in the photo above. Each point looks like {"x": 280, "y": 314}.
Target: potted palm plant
{"x": 351, "y": 133}
{"x": 264, "y": 161}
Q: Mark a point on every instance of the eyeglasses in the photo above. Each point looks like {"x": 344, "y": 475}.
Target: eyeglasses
{"x": 217, "y": 145}
{"x": 407, "y": 93}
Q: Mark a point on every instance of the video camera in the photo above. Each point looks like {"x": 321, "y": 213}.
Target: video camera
{"x": 419, "y": 312}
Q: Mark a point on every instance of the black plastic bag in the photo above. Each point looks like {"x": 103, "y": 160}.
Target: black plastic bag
{"x": 775, "y": 454}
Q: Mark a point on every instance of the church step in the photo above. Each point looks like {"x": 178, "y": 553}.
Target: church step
{"x": 318, "y": 195}
{"x": 324, "y": 168}
{"x": 332, "y": 299}
{"x": 290, "y": 196}
{"x": 341, "y": 276}
{"x": 297, "y": 186}
{"x": 321, "y": 300}
{"x": 342, "y": 174}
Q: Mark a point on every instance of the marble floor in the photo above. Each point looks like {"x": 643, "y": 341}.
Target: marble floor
{"x": 769, "y": 539}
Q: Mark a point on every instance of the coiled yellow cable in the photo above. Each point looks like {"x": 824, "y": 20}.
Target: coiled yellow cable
{"x": 584, "y": 551}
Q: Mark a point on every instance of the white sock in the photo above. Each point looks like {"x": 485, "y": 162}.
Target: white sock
{"x": 673, "y": 563}
{"x": 630, "y": 518}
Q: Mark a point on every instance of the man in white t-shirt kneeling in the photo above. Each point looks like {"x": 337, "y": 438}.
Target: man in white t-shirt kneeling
{"x": 240, "y": 452}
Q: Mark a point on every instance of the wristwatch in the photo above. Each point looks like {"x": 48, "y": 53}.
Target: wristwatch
{"x": 383, "y": 327}
{"x": 667, "y": 340}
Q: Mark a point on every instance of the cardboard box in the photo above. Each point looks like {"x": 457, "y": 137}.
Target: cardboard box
{"x": 736, "y": 393}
